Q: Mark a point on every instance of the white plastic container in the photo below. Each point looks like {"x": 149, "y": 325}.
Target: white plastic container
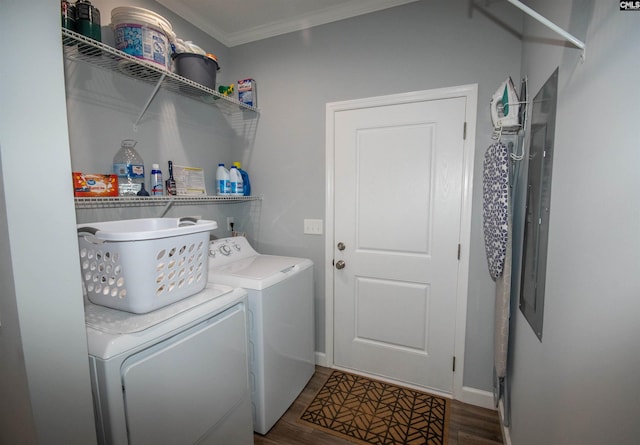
{"x": 143, "y": 34}
{"x": 157, "y": 185}
{"x": 247, "y": 92}
{"x": 140, "y": 265}
{"x": 235, "y": 179}
{"x": 223, "y": 185}
{"x": 129, "y": 167}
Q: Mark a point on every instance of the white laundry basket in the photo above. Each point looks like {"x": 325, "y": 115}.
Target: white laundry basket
{"x": 140, "y": 265}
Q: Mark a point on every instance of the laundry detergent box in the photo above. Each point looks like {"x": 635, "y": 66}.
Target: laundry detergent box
{"x": 94, "y": 185}
{"x": 247, "y": 92}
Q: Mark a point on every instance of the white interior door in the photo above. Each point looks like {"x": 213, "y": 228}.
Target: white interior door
{"x": 398, "y": 186}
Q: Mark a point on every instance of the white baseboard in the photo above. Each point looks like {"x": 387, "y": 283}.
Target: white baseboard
{"x": 477, "y": 397}
{"x": 470, "y": 395}
{"x": 506, "y": 434}
{"x": 484, "y": 399}
{"x": 321, "y": 359}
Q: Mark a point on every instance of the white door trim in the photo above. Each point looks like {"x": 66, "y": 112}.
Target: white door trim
{"x": 470, "y": 92}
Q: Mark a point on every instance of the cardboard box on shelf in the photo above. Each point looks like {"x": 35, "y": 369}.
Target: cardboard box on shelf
{"x": 94, "y": 185}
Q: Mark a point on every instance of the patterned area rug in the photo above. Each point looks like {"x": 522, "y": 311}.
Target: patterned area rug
{"x": 368, "y": 412}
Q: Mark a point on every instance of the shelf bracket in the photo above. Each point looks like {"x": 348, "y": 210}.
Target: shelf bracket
{"x": 166, "y": 208}
{"x": 146, "y": 106}
{"x": 549, "y": 24}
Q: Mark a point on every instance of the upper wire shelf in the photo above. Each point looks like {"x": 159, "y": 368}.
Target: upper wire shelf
{"x": 79, "y": 48}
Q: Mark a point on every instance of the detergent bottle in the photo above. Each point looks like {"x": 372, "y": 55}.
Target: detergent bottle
{"x": 235, "y": 179}
{"x": 223, "y": 186}
{"x": 246, "y": 185}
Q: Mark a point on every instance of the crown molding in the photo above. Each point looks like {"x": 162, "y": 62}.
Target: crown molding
{"x": 347, "y": 10}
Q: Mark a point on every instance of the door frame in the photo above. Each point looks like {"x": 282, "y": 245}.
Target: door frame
{"x": 470, "y": 93}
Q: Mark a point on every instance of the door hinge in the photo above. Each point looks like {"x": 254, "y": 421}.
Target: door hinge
{"x": 464, "y": 132}
{"x": 454, "y": 364}
{"x": 459, "y": 248}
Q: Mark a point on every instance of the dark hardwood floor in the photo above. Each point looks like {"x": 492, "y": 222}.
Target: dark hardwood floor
{"x": 468, "y": 424}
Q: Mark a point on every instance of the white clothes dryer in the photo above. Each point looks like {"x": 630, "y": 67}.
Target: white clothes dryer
{"x": 281, "y": 322}
{"x": 175, "y": 375}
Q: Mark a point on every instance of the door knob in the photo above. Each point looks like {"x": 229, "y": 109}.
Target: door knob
{"x": 341, "y": 246}
{"x": 340, "y": 264}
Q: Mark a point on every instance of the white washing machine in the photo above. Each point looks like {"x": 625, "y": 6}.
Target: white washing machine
{"x": 281, "y": 322}
{"x": 175, "y": 375}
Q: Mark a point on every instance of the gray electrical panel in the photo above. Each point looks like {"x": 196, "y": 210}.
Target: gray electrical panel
{"x": 538, "y": 203}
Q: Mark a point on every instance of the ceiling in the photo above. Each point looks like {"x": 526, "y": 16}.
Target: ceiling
{"x": 234, "y": 22}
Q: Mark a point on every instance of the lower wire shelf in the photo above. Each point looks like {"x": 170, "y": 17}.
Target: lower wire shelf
{"x": 146, "y": 201}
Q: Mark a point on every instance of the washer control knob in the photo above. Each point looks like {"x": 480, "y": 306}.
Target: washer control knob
{"x": 225, "y": 250}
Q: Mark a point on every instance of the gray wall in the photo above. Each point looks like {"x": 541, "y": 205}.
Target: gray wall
{"x": 580, "y": 384}
{"x": 419, "y": 46}
{"x": 44, "y": 372}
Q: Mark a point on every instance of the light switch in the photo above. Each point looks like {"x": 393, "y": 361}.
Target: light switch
{"x": 313, "y": 226}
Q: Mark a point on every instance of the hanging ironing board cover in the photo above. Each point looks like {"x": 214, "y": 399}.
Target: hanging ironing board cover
{"x": 495, "y": 192}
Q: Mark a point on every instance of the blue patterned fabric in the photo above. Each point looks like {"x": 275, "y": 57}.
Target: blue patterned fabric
{"x": 495, "y": 192}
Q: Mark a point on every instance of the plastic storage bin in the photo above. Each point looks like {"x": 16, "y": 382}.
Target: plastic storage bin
{"x": 140, "y": 265}
{"x": 143, "y": 34}
{"x": 201, "y": 69}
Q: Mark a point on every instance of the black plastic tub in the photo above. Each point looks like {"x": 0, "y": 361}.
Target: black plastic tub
{"x": 201, "y": 69}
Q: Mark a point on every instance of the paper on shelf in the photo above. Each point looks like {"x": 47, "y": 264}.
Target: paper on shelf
{"x": 189, "y": 180}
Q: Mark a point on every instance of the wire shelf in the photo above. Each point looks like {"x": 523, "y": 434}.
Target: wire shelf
{"x": 146, "y": 201}
{"x": 78, "y": 48}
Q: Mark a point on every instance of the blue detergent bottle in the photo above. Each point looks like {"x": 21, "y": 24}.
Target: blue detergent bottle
{"x": 246, "y": 185}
